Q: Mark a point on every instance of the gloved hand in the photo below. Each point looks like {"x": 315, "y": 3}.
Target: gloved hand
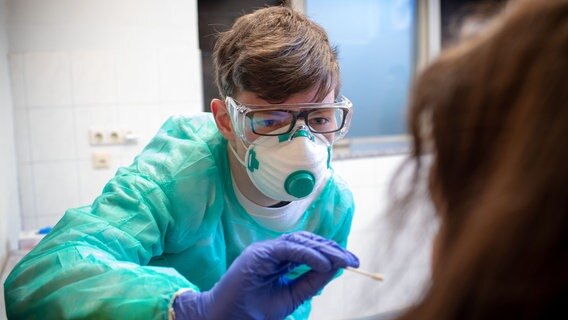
{"x": 256, "y": 287}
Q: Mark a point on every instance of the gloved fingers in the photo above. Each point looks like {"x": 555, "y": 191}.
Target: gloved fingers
{"x": 309, "y": 284}
{"x": 187, "y": 304}
{"x": 278, "y": 257}
{"x": 291, "y": 252}
{"x": 299, "y": 235}
{"x": 339, "y": 257}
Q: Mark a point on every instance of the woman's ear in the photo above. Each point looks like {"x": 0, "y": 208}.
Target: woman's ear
{"x": 222, "y": 119}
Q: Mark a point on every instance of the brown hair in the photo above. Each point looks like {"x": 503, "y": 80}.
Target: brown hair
{"x": 275, "y": 52}
{"x": 493, "y": 114}
{"x": 471, "y": 18}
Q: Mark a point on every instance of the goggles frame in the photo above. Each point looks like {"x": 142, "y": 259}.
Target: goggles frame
{"x": 239, "y": 114}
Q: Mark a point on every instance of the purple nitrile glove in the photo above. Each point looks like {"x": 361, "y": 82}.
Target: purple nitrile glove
{"x": 256, "y": 287}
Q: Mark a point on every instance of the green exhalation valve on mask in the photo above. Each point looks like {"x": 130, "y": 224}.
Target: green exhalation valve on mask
{"x": 300, "y": 183}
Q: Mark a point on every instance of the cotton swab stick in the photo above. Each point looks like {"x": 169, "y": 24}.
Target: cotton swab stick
{"x": 374, "y": 276}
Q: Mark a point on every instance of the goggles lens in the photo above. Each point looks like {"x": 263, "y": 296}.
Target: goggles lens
{"x": 277, "y": 122}
{"x": 252, "y": 121}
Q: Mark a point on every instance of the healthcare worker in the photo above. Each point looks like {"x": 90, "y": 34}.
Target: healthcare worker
{"x": 230, "y": 215}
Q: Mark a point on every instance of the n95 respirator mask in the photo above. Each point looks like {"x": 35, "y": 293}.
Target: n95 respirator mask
{"x": 287, "y": 167}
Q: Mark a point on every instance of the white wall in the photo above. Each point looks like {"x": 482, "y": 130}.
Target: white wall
{"x": 9, "y": 207}
{"x": 86, "y": 64}
{"x": 400, "y": 253}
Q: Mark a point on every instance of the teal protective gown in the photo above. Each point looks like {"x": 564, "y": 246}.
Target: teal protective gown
{"x": 168, "y": 221}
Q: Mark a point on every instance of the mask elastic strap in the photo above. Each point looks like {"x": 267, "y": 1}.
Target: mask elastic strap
{"x": 236, "y": 154}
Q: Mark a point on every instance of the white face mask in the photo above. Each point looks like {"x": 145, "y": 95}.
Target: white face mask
{"x": 289, "y": 167}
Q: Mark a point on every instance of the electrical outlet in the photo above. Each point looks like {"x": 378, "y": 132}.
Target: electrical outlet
{"x": 101, "y": 160}
{"x": 111, "y": 136}
{"x": 115, "y": 136}
{"x": 96, "y": 137}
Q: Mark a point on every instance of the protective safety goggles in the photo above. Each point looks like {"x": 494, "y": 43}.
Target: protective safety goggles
{"x": 329, "y": 119}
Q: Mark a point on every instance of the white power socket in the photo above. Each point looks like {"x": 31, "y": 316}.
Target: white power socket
{"x": 110, "y": 136}
{"x": 101, "y": 160}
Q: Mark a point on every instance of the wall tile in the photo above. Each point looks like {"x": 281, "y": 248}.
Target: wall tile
{"x": 370, "y": 207}
{"x": 47, "y": 77}
{"x": 129, "y": 152}
{"x": 370, "y": 171}
{"x": 358, "y": 172}
{"x": 26, "y": 190}
{"x": 55, "y": 187}
{"x": 387, "y": 168}
{"x": 91, "y": 12}
{"x": 393, "y": 246}
{"x": 362, "y": 295}
{"x": 374, "y": 249}
{"x": 178, "y": 75}
{"x": 342, "y": 168}
{"x": 181, "y": 108}
{"x": 394, "y": 293}
{"x": 92, "y": 181}
{"x": 22, "y": 135}
{"x": 37, "y": 12}
{"x": 137, "y": 73}
{"x": 94, "y": 80}
{"x": 365, "y": 170}
{"x": 91, "y": 37}
{"x": 29, "y": 223}
{"x": 138, "y": 38}
{"x": 16, "y": 65}
{"x": 401, "y": 253}
{"x": 147, "y": 13}
{"x": 180, "y": 13}
{"x": 52, "y": 134}
{"x": 173, "y": 36}
{"x": 323, "y": 307}
{"x": 417, "y": 241}
{"x": 143, "y": 120}
{"x": 48, "y": 220}
{"x": 127, "y": 160}
{"x": 40, "y": 39}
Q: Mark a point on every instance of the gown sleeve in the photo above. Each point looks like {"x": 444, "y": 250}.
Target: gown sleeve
{"x": 94, "y": 263}
{"x": 340, "y": 202}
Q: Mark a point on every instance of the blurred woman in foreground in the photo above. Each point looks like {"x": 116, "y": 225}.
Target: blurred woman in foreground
{"x": 493, "y": 113}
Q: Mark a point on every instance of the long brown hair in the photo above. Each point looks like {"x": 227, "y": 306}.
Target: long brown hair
{"x": 493, "y": 114}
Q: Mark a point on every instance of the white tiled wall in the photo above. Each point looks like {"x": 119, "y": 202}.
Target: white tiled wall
{"x": 76, "y": 65}
{"x": 400, "y": 253}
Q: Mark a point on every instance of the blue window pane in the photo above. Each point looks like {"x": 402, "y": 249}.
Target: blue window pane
{"x": 376, "y": 41}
